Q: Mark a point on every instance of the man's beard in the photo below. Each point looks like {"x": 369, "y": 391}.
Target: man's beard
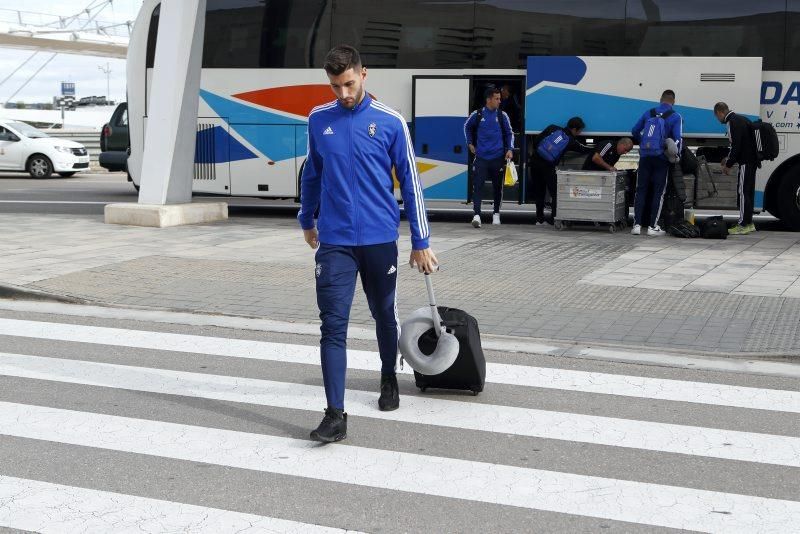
{"x": 359, "y": 96}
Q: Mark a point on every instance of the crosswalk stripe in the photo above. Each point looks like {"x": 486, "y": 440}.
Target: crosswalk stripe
{"x": 55, "y": 508}
{"x": 662, "y": 437}
{"x": 518, "y": 375}
{"x": 581, "y": 495}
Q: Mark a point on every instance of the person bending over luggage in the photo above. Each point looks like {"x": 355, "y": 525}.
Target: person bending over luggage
{"x": 549, "y": 146}
{"x": 353, "y": 144}
{"x": 651, "y": 132}
{"x": 606, "y": 154}
{"x": 490, "y": 139}
{"x": 744, "y": 152}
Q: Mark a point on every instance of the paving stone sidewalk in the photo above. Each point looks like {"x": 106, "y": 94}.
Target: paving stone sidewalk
{"x": 737, "y": 296}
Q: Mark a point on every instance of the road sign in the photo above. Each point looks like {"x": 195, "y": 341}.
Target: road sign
{"x": 67, "y": 89}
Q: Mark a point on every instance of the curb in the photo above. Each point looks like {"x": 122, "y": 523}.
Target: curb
{"x": 493, "y": 342}
{"x": 12, "y": 292}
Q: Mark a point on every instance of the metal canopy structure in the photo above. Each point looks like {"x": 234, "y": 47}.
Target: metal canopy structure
{"x": 84, "y": 33}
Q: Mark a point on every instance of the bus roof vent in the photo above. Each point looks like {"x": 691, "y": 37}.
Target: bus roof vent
{"x": 717, "y": 77}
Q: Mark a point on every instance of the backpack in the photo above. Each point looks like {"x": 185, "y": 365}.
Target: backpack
{"x": 689, "y": 162}
{"x": 714, "y": 228}
{"x": 503, "y": 128}
{"x": 684, "y": 229}
{"x": 767, "y": 144}
{"x": 654, "y": 133}
{"x": 551, "y": 147}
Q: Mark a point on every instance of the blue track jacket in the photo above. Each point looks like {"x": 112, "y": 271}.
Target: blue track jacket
{"x": 348, "y": 176}
{"x": 494, "y": 138}
{"x": 674, "y": 127}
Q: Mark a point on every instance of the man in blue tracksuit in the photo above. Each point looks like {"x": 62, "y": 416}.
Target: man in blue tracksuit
{"x": 490, "y": 138}
{"x": 354, "y": 143}
{"x": 654, "y": 167}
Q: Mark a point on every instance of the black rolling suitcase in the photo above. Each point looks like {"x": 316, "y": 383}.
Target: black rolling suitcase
{"x": 672, "y": 210}
{"x": 468, "y": 372}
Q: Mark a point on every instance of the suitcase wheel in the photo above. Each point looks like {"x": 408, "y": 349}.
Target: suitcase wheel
{"x": 423, "y": 389}
{"x": 475, "y": 392}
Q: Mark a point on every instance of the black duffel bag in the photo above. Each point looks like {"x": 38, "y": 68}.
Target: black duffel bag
{"x": 714, "y": 228}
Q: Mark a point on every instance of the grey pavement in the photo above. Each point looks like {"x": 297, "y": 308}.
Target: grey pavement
{"x": 719, "y": 456}
{"x": 580, "y": 285}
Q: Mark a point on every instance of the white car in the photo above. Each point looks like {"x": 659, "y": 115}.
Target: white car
{"x": 24, "y": 148}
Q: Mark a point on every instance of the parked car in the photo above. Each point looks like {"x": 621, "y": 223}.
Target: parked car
{"x": 114, "y": 141}
{"x": 24, "y": 148}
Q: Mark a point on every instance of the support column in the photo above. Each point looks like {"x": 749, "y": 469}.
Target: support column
{"x": 168, "y": 160}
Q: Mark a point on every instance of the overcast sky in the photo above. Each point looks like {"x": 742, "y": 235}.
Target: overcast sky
{"x": 84, "y": 71}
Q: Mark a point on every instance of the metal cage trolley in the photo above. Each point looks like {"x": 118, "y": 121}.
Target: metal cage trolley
{"x": 591, "y": 196}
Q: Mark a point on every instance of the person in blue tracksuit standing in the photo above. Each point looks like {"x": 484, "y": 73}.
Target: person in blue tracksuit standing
{"x": 354, "y": 143}
{"x": 654, "y": 167}
{"x": 491, "y": 140}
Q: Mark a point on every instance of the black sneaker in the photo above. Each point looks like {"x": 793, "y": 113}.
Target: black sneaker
{"x": 332, "y": 428}
{"x": 390, "y": 393}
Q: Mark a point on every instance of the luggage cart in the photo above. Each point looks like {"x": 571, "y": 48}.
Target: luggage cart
{"x": 591, "y": 196}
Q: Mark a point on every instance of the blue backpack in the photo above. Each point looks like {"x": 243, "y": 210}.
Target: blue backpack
{"x": 551, "y": 147}
{"x": 654, "y": 134}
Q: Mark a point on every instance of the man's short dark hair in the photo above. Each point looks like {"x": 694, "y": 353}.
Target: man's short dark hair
{"x": 721, "y": 107}
{"x": 342, "y": 58}
{"x": 490, "y": 91}
{"x": 669, "y": 94}
{"x": 576, "y": 123}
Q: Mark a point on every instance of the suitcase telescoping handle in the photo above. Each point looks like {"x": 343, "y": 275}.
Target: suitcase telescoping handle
{"x": 438, "y": 327}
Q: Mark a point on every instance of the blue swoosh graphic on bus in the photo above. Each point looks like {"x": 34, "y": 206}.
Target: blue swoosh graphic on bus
{"x": 224, "y": 148}
{"x": 559, "y": 69}
{"x": 454, "y": 188}
{"x": 555, "y": 105}
{"x": 271, "y": 134}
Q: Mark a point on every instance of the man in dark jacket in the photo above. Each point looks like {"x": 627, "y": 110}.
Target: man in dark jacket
{"x": 543, "y": 172}
{"x": 744, "y": 152}
{"x": 606, "y": 154}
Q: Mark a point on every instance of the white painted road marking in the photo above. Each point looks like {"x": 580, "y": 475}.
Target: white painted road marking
{"x": 650, "y": 504}
{"x": 54, "y": 509}
{"x": 597, "y": 430}
{"x": 518, "y": 375}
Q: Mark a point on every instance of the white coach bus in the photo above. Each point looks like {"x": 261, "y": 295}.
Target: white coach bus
{"x": 262, "y": 74}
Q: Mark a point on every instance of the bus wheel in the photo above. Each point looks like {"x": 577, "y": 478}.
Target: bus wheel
{"x": 299, "y": 178}
{"x": 789, "y": 198}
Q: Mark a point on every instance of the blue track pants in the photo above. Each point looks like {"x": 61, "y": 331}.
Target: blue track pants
{"x": 336, "y": 270}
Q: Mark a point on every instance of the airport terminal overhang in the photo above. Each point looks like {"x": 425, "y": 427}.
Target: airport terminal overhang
{"x": 70, "y": 45}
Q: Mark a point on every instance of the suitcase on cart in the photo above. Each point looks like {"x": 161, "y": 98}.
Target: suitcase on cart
{"x": 468, "y": 372}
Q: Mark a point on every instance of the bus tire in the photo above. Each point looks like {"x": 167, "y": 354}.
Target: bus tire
{"x": 789, "y": 199}
{"x": 299, "y": 178}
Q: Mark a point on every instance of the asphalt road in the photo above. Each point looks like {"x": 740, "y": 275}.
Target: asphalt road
{"x": 87, "y": 194}
{"x": 117, "y": 423}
